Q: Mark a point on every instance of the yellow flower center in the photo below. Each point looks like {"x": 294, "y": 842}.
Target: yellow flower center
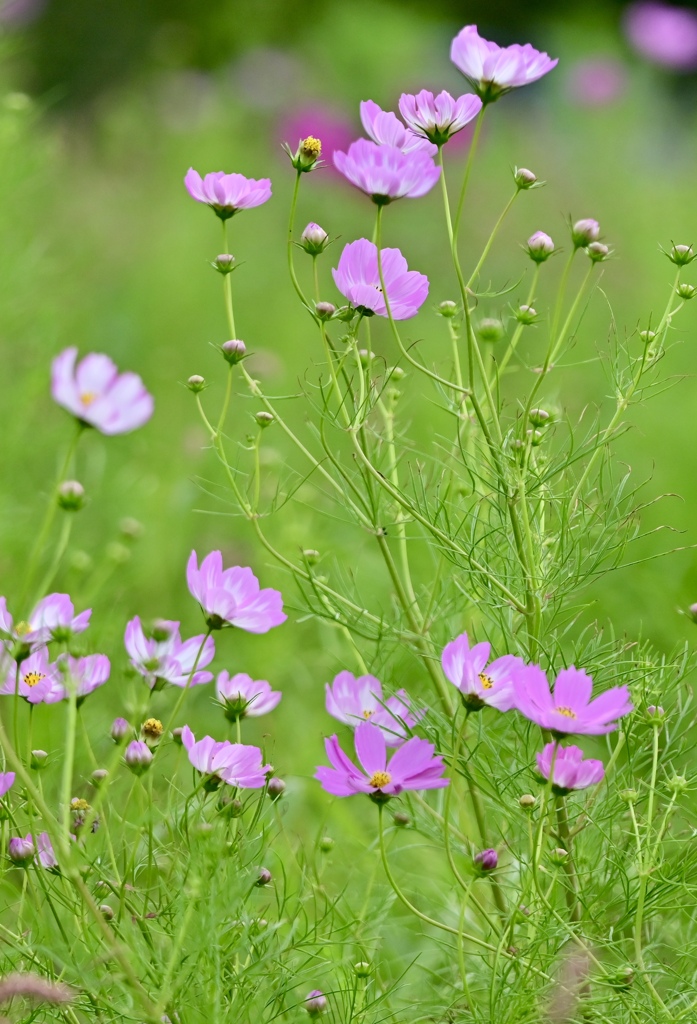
{"x": 380, "y": 779}
{"x": 22, "y": 628}
{"x": 153, "y": 728}
{"x": 566, "y": 712}
{"x": 368, "y": 714}
{"x": 87, "y": 397}
{"x": 311, "y": 146}
{"x": 32, "y": 678}
{"x": 486, "y": 681}
{"x": 78, "y": 804}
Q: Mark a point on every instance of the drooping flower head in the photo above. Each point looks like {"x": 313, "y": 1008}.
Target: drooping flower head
{"x": 386, "y": 173}
{"x": 493, "y": 70}
{"x": 98, "y": 395}
{"x": 53, "y": 619}
{"x": 354, "y": 700}
{"x": 412, "y": 766}
{"x": 663, "y": 33}
{"x": 479, "y": 682}
{"x": 437, "y": 118}
{"x": 237, "y": 764}
{"x": 35, "y": 678}
{"x": 385, "y": 128}
{"x": 84, "y": 674}
{"x": 227, "y": 194}
{"x": 358, "y": 278}
{"x": 568, "y": 708}
{"x": 232, "y": 597}
{"x": 241, "y": 696}
{"x": 571, "y": 771}
{"x": 165, "y": 658}
{"x": 7, "y": 781}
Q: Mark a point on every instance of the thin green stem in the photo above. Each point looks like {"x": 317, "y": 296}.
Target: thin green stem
{"x": 468, "y": 171}
{"x": 492, "y": 236}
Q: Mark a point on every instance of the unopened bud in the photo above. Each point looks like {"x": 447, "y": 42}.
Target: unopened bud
{"x": 326, "y": 844}
{"x": 120, "y": 729}
{"x": 686, "y": 291}
{"x": 622, "y": 978}
{"x": 487, "y": 860}
{"x": 584, "y": 232}
{"x": 526, "y": 315}
{"x": 314, "y": 239}
{"x": 401, "y": 819}
{"x": 692, "y": 612}
{"x": 264, "y": 877}
{"x": 99, "y": 775}
{"x": 630, "y": 796}
{"x": 655, "y": 715}
{"x": 311, "y": 556}
{"x": 598, "y": 252}
{"x": 71, "y": 496}
{"x": 527, "y": 801}
{"x": 325, "y": 310}
{"x": 196, "y": 383}
{"x": 647, "y": 336}
{"x": 345, "y": 314}
{"x": 362, "y": 969}
{"x": 138, "y": 757}
{"x": 276, "y": 788}
{"x": 20, "y": 851}
{"x": 107, "y": 912}
{"x": 224, "y": 264}
{"x": 365, "y": 357}
{"x": 539, "y": 417}
{"x": 524, "y": 178}
{"x": 535, "y": 437}
{"x": 681, "y": 255}
{"x": 264, "y": 418}
{"x": 131, "y": 529}
{"x": 177, "y": 735}
{"x": 448, "y": 308}
{"x": 315, "y": 1002}
{"x": 38, "y": 759}
{"x": 396, "y": 373}
{"x": 559, "y": 856}
{"x": 490, "y": 330}
{"x": 678, "y": 783}
{"x": 540, "y": 247}
{"x": 233, "y": 351}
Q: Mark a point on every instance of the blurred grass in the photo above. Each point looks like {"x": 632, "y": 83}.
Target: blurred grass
{"x": 103, "y": 248}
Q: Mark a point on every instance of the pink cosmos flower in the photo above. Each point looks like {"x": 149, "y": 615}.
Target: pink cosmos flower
{"x": 357, "y": 277}
{"x": 227, "y": 194}
{"x": 235, "y": 763}
{"x": 570, "y": 769}
{"x": 165, "y": 658}
{"x": 493, "y": 70}
{"x": 569, "y": 708}
{"x": 87, "y": 674}
{"x": 412, "y": 766}
{"x": 98, "y": 395}
{"x": 439, "y": 117}
{"x": 386, "y": 129}
{"x": 40, "y": 681}
{"x": 385, "y": 173}
{"x": 353, "y": 701}
{"x": 481, "y": 683}
{"x": 232, "y": 597}
{"x": 241, "y": 696}
{"x": 596, "y": 81}
{"x": 45, "y": 853}
{"x": 664, "y": 34}
{"x": 7, "y": 781}
{"x": 53, "y": 619}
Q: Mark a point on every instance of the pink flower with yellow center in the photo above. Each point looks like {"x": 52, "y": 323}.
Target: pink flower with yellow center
{"x": 568, "y": 708}
{"x": 98, "y": 395}
{"x": 480, "y": 681}
{"x": 35, "y": 678}
{"x": 354, "y": 700}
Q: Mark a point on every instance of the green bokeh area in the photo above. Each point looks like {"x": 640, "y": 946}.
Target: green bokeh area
{"x": 103, "y": 248}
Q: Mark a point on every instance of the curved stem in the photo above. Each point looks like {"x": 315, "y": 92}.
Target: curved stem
{"x": 468, "y": 171}
{"x": 492, "y": 236}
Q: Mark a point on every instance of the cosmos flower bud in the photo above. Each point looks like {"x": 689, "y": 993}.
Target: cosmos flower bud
{"x": 224, "y": 263}
{"x": 655, "y": 716}
{"x": 539, "y": 417}
{"x": 21, "y": 851}
{"x": 362, "y": 969}
{"x": 311, "y": 556}
{"x": 597, "y": 252}
{"x": 692, "y": 612}
{"x": 345, "y": 314}
{"x": 535, "y": 437}
{"x": 630, "y": 796}
{"x": 151, "y": 730}
{"x": 99, "y": 775}
{"x": 264, "y": 877}
{"x": 326, "y": 844}
{"x": 138, "y": 757}
{"x": 131, "y": 529}
{"x": 686, "y": 291}
{"x": 177, "y": 735}
{"x": 120, "y": 729}
{"x": 524, "y": 178}
{"x": 622, "y": 978}
{"x": 681, "y": 255}
{"x": 233, "y": 351}
{"x": 71, "y": 496}
{"x": 487, "y": 860}
{"x": 38, "y": 759}
{"x": 315, "y": 1002}
{"x": 196, "y": 383}
{"x": 306, "y": 155}
{"x": 447, "y": 308}
{"x": 490, "y": 330}
{"x": 540, "y": 247}
{"x": 325, "y": 310}
{"x": 401, "y": 819}
{"x": 276, "y": 788}
{"x": 107, "y": 912}
{"x": 264, "y": 418}
{"x": 314, "y": 239}
{"x": 526, "y": 315}
{"x": 647, "y": 336}
{"x": 559, "y": 856}
{"x": 678, "y": 783}
{"x": 527, "y": 801}
{"x": 584, "y": 232}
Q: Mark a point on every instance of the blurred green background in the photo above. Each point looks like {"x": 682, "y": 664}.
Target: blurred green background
{"x": 105, "y": 105}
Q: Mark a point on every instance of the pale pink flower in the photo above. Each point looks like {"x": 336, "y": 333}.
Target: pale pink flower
{"x": 233, "y": 597}
{"x": 493, "y": 70}
{"x": 385, "y": 128}
{"x": 98, "y": 395}
{"x": 237, "y": 764}
{"x": 227, "y": 194}
{"x": 242, "y": 697}
{"x": 354, "y": 700}
{"x": 35, "y": 678}
{"x": 437, "y": 118}
{"x": 385, "y": 173}
{"x": 358, "y": 279}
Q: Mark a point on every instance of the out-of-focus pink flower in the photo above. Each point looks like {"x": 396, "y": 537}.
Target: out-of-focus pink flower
{"x": 357, "y": 277}
{"x": 385, "y": 128}
{"x": 386, "y": 173}
{"x": 166, "y": 658}
{"x": 232, "y": 597}
{"x": 7, "y": 781}
{"x": 227, "y": 194}
{"x": 481, "y": 683}
{"x": 53, "y": 619}
{"x": 487, "y": 860}
{"x": 437, "y": 118}
{"x": 241, "y": 696}
{"x": 596, "y": 81}
{"x": 19, "y": 13}
{"x": 571, "y": 771}
{"x": 98, "y": 395}
{"x": 412, "y": 766}
{"x": 569, "y": 708}
{"x": 664, "y": 34}
{"x": 493, "y": 70}
{"x": 87, "y": 674}
{"x": 354, "y": 700}
{"x": 35, "y": 678}
{"x": 138, "y": 756}
{"x": 315, "y": 1002}
{"x": 20, "y": 850}
{"x": 235, "y": 763}
{"x": 45, "y": 852}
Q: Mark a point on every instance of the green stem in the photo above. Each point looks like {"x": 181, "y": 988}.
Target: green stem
{"x": 492, "y": 236}
{"x": 227, "y": 290}
{"x": 468, "y": 171}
